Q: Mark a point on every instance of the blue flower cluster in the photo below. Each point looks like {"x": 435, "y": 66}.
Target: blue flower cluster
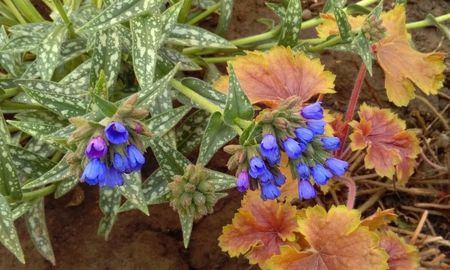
{"x": 308, "y": 152}
{"x": 125, "y": 157}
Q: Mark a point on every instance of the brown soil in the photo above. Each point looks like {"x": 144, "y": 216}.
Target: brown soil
{"x": 155, "y": 242}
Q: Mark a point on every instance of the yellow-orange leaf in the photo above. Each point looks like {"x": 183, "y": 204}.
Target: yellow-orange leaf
{"x": 337, "y": 240}
{"x": 259, "y": 228}
{"x": 272, "y": 76}
{"x": 403, "y": 66}
{"x": 390, "y": 148}
{"x": 379, "y": 219}
{"x": 402, "y": 256}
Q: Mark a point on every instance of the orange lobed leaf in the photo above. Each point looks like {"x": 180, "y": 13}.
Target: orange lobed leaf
{"x": 403, "y": 66}
{"x": 259, "y": 229}
{"x": 272, "y": 76}
{"x": 337, "y": 240}
{"x": 402, "y": 256}
{"x": 379, "y": 219}
{"x": 390, "y": 148}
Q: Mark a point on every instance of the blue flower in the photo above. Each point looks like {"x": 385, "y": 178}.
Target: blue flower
{"x": 269, "y": 149}
{"x": 258, "y": 169}
{"x": 292, "y": 148}
{"x": 303, "y": 171}
{"x": 242, "y": 182}
{"x": 135, "y": 157}
{"x": 313, "y": 111}
{"x": 116, "y": 133}
{"x": 94, "y": 172}
{"x": 96, "y": 148}
{"x": 304, "y": 135}
{"x": 336, "y": 166}
{"x": 331, "y": 143}
{"x": 120, "y": 163}
{"x": 279, "y": 179}
{"x": 269, "y": 191}
{"x": 316, "y": 126}
{"x": 306, "y": 191}
{"x": 320, "y": 174}
{"x": 112, "y": 179}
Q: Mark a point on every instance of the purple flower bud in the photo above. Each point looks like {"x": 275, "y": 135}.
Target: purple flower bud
{"x": 306, "y": 191}
{"x": 96, "y": 148}
{"x": 320, "y": 174}
{"x": 112, "y": 179}
{"x": 258, "y": 169}
{"x": 292, "y": 148}
{"x": 269, "y": 149}
{"x": 313, "y": 111}
{"x": 331, "y": 143}
{"x": 304, "y": 135}
{"x": 269, "y": 191}
{"x": 242, "y": 182}
{"x": 316, "y": 126}
{"x": 279, "y": 179}
{"x": 303, "y": 171}
{"x": 135, "y": 158}
{"x": 336, "y": 166}
{"x": 94, "y": 172}
{"x": 120, "y": 163}
{"x": 116, "y": 133}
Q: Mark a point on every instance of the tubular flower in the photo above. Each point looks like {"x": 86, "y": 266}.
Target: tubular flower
{"x": 94, "y": 172}
{"x": 258, "y": 169}
{"x": 331, "y": 143}
{"x": 269, "y": 149}
{"x": 303, "y": 171}
{"x": 120, "y": 163}
{"x": 404, "y": 67}
{"x": 242, "y": 182}
{"x": 96, "y": 148}
{"x": 292, "y": 148}
{"x": 306, "y": 191}
{"x": 280, "y": 73}
{"x": 316, "y": 126}
{"x": 135, "y": 158}
{"x": 313, "y": 111}
{"x": 320, "y": 174}
{"x": 269, "y": 191}
{"x": 112, "y": 178}
{"x": 304, "y": 135}
{"x": 336, "y": 166}
{"x": 116, "y": 133}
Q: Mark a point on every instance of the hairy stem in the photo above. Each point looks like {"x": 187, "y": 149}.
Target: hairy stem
{"x": 352, "y": 106}
{"x": 427, "y": 22}
{"x": 31, "y": 195}
{"x": 204, "y": 14}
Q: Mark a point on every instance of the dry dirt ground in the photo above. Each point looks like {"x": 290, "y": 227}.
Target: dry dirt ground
{"x": 155, "y": 242}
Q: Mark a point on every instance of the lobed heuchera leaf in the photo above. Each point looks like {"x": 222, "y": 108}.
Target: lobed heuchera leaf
{"x": 337, "y": 240}
{"x": 404, "y": 67}
{"x": 273, "y": 76}
{"x": 391, "y": 149}
{"x": 402, "y": 256}
{"x": 259, "y": 229}
{"x": 379, "y": 219}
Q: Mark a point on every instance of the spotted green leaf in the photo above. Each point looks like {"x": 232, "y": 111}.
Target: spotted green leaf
{"x": 189, "y": 134}
{"x": 49, "y": 52}
{"x": 37, "y": 229}
{"x": 73, "y": 46}
{"x": 48, "y": 86}
{"x": 64, "y": 105}
{"x": 169, "y": 159}
{"x": 79, "y": 78}
{"x": 9, "y": 180}
{"x": 188, "y": 35}
{"x": 160, "y": 124}
{"x": 226, "y": 10}
{"x": 8, "y": 61}
{"x": 216, "y": 135}
{"x": 206, "y": 90}
{"x": 221, "y": 181}
{"x": 174, "y": 57}
{"x": 36, "y": 129}
{"x": 132, "y": 190}
{"x": 8, "y": 233}
{"x": 31, "y": 165}
{"x": 361, "y": 46}
{"x": 291, "y": 25}
{"x": 58, "y": 173}
{"x": 65, "y": 186}
{"x": 118, "y": 12}
{"x": 109, "y": 204}
{"x": 21, "y": 44}
{"x": 106, "y": 107}
{"x": 330, "y": 4}
{"x": 344, "y": 26}
{"x": 238, "y": 105}
{"x": 106, "y": 56}
{"x": 187, "y": 221}
{"x": 154, "y": 188}
{"x": 21, "y": 209}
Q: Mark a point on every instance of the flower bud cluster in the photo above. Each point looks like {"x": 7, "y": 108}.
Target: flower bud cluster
{"x": 111, "y": 151}
{"x": 298, "y": 132}
{"x": 373, "y": 29}
{"x": 193, "y": 193}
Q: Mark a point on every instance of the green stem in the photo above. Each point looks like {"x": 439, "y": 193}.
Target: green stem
{"x": 331, "y": 42}
{"x": 215, "y": 60}
{"x": 184, "y": 12}
{"x": 243, "y": 123}
{"x": 10, "y": 105}
{"x": 195, "y": 97}
{"x": 31, "y": 195}
{"x": 204, "y": 14}
{"x": 29, "y": 11}
{"x": 59, "y": 7}
{"x": 426, "y": 22}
